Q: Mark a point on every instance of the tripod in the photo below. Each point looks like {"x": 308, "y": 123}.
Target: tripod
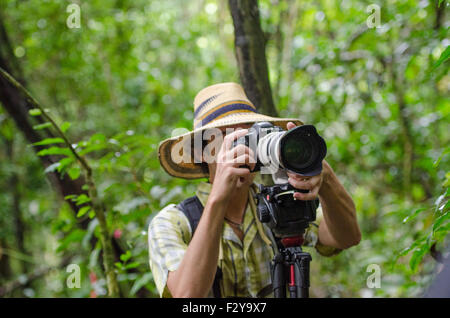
{"x": 290, "y": 267}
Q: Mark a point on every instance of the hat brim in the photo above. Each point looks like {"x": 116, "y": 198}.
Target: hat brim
{"x": 191, "y": 170}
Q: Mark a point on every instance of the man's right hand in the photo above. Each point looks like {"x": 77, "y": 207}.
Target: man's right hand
{"x": 229, "y": 166}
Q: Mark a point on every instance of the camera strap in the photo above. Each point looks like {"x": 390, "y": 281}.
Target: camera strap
{"x": 193, "y": 209}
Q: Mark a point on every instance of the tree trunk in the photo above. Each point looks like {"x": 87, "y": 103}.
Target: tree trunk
{"x": 250, "y": 49}
{"x": 440, "y": 14}
{"x": 5, "y": 264}
{"x": 251, "y": 55}
{"x": 18, "y": 222}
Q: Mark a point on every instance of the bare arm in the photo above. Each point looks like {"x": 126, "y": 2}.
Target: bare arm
{"x": 339, "y": 227}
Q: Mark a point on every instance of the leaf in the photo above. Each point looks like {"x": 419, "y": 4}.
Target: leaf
{"x": 82, "y": 198}
{"x": 125, "y": 257}
{"x": 74, "y": 172}
{"x": 444, "y": 57}
{"x": 442, "y": 232}
{"x": 405, "y": 251}
{"x": 417, "y": 257}
{"x": 142, "y": 281}
{"x": 74, "y": 236}
{"x": 49, "y": 141}
{"x": 35, "y": 112}
{"x": 446, "y": 206}
{"x": 70, "y": 196}
{"x": 438, "y": 160}
{"x": 440, "y": 220}
{"x": 92, "y": 148}
{"x": 414, "y": 245}
{"x": 55, "y": 151}
{"x": 65, "y": 126}
{"x": 64, "y": 163}
{"x": 132, "y": 265}
{"x": 91, "y": 214}
{"x": 42, "y": 126}
{"x": 83, "y": 211}
{"x": 413, "y": 215}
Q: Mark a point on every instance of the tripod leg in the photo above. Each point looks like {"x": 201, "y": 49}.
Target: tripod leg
{"x": 278, "y": 277}
{"x": 302, "y": 274}
{"x": 293, "y": 280}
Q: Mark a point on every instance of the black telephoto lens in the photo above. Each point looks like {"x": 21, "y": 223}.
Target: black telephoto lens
{"x": 302, "y": 150}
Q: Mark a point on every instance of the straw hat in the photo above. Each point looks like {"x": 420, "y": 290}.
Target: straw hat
{"x": 215, "y": 106}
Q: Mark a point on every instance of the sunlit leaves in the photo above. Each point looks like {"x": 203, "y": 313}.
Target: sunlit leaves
{"x": 74, "y": 172}
{"x": 55, "y": 151}
{"x": 83, "y": 211}
{"x": 65, "y": 126}
{"x": 125, "y": 257}
{"x": 49, "y": 141}
{"x": 413, "y": 215}
{"x": 443, "y": 58}
{"x": 78, "y": 199}
{"x": 74, "y": 236}
{"x": 42, "y": 126}
{"x": 35, "y": 112}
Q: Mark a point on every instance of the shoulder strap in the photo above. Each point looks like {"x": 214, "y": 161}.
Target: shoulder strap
{"x": 193, "y": 209}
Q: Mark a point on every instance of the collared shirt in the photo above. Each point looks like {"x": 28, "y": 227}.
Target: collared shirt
{"x": 245, "y": 264}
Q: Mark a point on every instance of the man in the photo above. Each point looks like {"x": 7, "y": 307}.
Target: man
{"x": 229, "y": 237}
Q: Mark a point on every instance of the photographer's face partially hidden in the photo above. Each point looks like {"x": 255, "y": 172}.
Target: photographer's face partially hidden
{"x": 212, "y": 164}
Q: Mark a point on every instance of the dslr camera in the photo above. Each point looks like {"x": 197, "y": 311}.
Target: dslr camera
{"x": 299, "y": 150}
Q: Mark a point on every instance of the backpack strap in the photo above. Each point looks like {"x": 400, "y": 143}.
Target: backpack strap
{"x": 193, "y": 209}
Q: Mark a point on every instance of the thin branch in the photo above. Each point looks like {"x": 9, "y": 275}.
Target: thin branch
{"x": 35, "y": 104}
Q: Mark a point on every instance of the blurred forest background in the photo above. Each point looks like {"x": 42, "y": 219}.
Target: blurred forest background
{"x": 119, "y": 84}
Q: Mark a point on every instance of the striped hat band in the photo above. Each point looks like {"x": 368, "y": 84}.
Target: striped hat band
{"x": 206, "y": 115}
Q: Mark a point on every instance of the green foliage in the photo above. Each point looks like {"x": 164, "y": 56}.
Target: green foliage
{"x": 122, "y": 82}
{"x": 443, "y": 58}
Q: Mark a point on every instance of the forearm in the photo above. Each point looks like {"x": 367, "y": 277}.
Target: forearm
{"x": 339, "y": 227}
{"x": 195, "y": 275}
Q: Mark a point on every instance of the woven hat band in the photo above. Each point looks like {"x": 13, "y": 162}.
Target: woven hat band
{"x": 223, "y": 110}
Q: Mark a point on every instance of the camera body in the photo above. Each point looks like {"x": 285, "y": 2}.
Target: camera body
{"x": 299, "y": 150}
{"x": 284, "y": 215}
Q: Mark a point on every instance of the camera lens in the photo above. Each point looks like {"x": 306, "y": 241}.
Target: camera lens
{"x": 302, "y": 150}
{"x": 298, "y": 152}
